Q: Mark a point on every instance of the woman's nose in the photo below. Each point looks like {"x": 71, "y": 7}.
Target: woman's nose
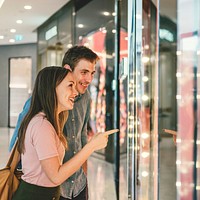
{"x": 75, "y": 91}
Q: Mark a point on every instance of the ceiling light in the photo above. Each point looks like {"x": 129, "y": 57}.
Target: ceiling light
{"x": 19, "y": 21}
{"x": 106, "y": 13}
{"x": 1, "y": 3}
{"x": 1, "y": 37}
{"x": 13, "y": 30}
{"x": 69, "y": 45}
{"x": 80, "y": 26}
{"x": 27, "y": 7}
{"x": 11, "y": 40}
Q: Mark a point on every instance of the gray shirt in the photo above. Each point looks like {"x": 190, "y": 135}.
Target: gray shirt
{"x": 76, "y": 132}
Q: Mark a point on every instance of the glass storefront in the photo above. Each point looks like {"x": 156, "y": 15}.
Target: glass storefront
{"x": 145, "y": 81}
{"x": 20, "y": 73}
{"x": 188, "y": 151}
{"x": 143, "y": 101}
{"x": 55, "y": 36}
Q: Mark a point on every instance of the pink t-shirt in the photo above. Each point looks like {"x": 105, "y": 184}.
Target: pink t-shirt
{"x": 41, "y": 142}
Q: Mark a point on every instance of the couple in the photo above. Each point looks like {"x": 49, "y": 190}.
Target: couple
{"x": 50, "y": 158}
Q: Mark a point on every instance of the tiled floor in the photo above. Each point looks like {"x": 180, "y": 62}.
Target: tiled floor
{"x": 101, "y": 173}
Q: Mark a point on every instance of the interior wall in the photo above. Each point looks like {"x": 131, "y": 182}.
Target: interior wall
{"x": 6, "y": 52}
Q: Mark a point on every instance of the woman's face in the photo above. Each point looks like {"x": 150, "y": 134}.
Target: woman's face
{"x": 66, "y": 93}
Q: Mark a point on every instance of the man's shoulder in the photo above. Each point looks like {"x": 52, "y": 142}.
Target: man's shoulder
{"x": 86, "y": 96}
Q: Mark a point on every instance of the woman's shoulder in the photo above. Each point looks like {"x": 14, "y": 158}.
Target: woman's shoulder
{"x": 40, "y": 121}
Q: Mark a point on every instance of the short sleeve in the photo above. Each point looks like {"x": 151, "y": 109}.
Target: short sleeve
{"x": 44, "y": 139}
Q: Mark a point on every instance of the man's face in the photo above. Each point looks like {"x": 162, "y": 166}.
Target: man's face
{"x": 83, "y": 74}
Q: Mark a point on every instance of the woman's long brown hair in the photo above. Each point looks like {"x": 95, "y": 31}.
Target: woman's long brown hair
{"x": 44, "y": 99}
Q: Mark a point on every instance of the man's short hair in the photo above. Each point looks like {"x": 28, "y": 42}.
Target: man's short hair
{"x": 77, "y": 53}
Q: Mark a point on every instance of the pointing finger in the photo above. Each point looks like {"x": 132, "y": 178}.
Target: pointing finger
{"x": 111, "y": 131}
{"x": 169, "y": 131}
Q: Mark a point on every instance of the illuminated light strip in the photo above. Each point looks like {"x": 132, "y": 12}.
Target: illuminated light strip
{"x": 51, "y": 33}
{"x": 1, "y": 3}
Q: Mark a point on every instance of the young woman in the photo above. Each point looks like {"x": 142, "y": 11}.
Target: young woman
{"x": 41, "y": 142}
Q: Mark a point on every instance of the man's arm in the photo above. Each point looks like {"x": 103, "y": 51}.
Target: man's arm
{"x": 19, "y": 121}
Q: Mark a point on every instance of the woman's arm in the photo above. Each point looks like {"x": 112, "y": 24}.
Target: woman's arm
{"x": 59, "y": 173}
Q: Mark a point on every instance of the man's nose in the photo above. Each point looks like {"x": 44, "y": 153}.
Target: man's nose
{"x": 89, "y": 78}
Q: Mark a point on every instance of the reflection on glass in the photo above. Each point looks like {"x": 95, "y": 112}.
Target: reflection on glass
{"x": 142, "y": 103}
{"x": 19, "y": 86}
{"x": 188, "y": 179}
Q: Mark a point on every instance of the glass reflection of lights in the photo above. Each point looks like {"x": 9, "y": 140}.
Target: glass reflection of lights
{"x": 178, "y": 96}
{"x": 145, "y": 59}
{"x": 145, "y": 79}
{"x": 131, "y": 99}
{"x": 80, "y": 25}
{"x": 178, "y": 53}
{"x": 145, "y": 173}
{"x": 106, "y": 13}
{"x": 69, "y": 45}
{"x": 131, "y": 126}
{"x": 178, "y": 162}
{"x": 144, "y": 135}
{"x": 131, "y": 117}
{"x": 113, "y": 31}
{"x": 178, "y": 74}
{"x": 145, "y": 97}
{"x": 145, "y": 154}
{"x": 178, "y": 184}
{"x": 86, "y": 44}
{"x": 138, "y": 16}
{"x": 130, "y": 135}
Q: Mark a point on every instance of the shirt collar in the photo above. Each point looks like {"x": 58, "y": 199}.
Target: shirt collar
{"x": 78, "y": 97}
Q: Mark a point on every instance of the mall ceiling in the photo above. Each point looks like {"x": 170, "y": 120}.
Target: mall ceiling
{"x": 25, "y": 32}
{"x": 12, "y": 10}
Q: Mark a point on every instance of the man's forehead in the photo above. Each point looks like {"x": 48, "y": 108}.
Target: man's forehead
{"x": 86, "y": 67}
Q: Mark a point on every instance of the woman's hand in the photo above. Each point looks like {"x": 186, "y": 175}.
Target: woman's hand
{"x": 100, "y": 140}
{"x": 172, "y": 132}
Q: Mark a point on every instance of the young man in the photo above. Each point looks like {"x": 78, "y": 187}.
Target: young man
{"x": 82, "y": 61}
